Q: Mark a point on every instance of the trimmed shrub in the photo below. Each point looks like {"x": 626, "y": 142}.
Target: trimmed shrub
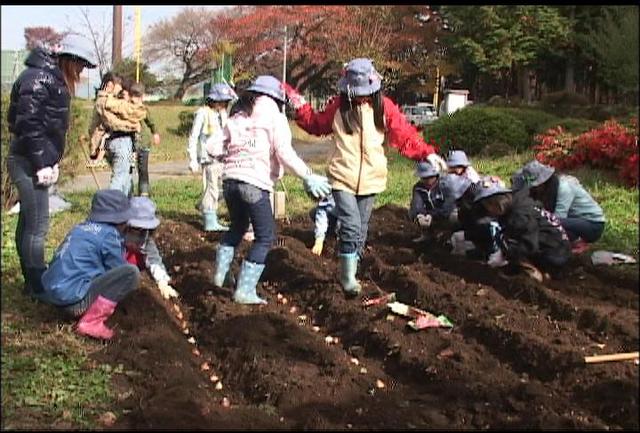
{"x": 73, "y": 160}
{"x": 568, "y": 124}
{"x": 186, "y": 122}
{"x": 532, "y": 119}
{"x": 474, "y": 128}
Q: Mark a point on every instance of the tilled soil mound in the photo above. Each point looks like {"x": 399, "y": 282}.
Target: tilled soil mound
{"x": 313, "y": 359}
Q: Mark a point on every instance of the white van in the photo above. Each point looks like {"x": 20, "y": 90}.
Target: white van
{"x": 420, "y": 114}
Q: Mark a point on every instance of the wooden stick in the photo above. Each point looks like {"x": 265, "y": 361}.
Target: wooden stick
{"x": 86, "y": 155}
{"x": 613, "y": 357}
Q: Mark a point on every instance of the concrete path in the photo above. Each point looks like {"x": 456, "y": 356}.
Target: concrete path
{"x": 309, "y": 151}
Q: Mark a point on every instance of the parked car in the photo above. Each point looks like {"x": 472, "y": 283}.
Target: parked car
{"x": 420, "y": 114}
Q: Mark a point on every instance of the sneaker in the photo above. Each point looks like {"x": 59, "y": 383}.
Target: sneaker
{"x": 579, "y": 246}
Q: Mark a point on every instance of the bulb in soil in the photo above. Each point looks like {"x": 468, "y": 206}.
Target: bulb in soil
{"x": 219, "y": 386}
{"x": 293, "y": 310}
{"x": 328, "y": 339}
{"x": 185, "y": 331}
{"x": 355, "y": 361}
{"x": 284, "y": 301}
{"x": 179, "y": 315}
{"x": 195, "y": 351}
{"x": 225, "y": 402}
{"x": 176, "y": 307}
{"x": 192, "y": 340}
{"x": 302, "y": 317}
{"x": 316, "y": 328}
{"x": 214, "y": 378}
{"x": 279, "y": 296}
{"x": 336, "y": 340}
{"x": 363, "y": 370}
{"x": 379, "y": 384}
{"x": 204, "y": 366}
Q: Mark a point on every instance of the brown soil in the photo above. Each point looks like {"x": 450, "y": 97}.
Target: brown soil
{"x": 514, "y": 359}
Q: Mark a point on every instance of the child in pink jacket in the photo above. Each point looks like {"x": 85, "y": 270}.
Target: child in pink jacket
{"x": 257, "y": 147}
{"x": 361, "y": 120}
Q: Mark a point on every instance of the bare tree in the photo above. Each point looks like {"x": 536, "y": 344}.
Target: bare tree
{"x": 184, "y": 41}
{"x": 100, "y": 36}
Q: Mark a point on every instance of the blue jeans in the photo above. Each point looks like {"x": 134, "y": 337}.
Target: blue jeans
{"x": 589, "y": 231}
{"x": 249, "y": 204}
{"x": 33, "y": 220}
{"x": 114, "y": 285}
{"x": 120, "y": 156}
{"x": 353, "y": 212}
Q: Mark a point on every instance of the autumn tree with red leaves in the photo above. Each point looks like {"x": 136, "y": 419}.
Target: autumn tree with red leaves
{"x": 320, "y": 39}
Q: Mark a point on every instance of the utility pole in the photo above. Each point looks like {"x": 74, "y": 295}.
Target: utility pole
{"x": 116, "y": 45}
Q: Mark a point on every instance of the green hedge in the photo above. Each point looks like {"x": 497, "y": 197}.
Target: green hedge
{"x": 186, "y": 122}
{"x": 569, "y": 124}
{"x": 476, "y": 128}
{"x": 73, "y": 160}
{"x": 532, "y": 119}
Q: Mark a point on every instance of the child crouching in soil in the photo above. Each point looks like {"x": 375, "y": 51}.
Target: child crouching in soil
{"x": 428, "y": 203}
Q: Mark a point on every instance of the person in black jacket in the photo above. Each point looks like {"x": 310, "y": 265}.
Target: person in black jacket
{"x": 427, "y": 200}
{"x": 38, "y": 119}
{"x": 528, "y": 236}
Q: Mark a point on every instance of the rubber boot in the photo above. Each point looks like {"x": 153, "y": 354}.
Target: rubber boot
{"x": 222, "y": 276}
{"x": 211, "y": 224}
{"x": 33, "y": 281}
{"x": 348, "y": 268}
{"x": 92, "y": 321}
{"x": 143, "y": 172}
{"x": 247, "y": 280}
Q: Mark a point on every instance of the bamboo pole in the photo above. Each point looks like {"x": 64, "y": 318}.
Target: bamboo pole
{"x": 613, "y": 357}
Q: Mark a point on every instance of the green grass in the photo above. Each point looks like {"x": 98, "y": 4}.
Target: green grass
{"x": 48, "y": 379}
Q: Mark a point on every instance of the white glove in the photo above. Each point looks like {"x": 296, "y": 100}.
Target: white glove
{"x": 166, "y": 290}
{"x": 437, "y": 162}
{"x": 56, "y": 172}
{"x": 497, "y": 259}
{"x": 317, "y": 246}
{"x": 194, "y": 166}
{"x": 424, "y": 220}
{"x": 46, "y": 176}
{"x": 458, "y": 244}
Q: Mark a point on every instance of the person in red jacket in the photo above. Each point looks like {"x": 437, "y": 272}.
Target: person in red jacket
{"x": 361, "y": 120}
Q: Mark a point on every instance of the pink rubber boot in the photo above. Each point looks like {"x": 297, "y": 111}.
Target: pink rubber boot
{"x": 92, "y": 321}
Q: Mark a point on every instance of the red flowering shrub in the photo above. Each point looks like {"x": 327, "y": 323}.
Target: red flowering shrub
{"x": 610, "y": 146}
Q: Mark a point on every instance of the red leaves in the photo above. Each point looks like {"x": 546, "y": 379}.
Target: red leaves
{"x": 611, "y": 146}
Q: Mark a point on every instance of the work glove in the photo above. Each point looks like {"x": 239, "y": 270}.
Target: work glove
{"x": 166, "y": 290}
{"x": 56, "y": 172}
{"x": 424, "y": 220}
{"x": 458, "y": 243}
{"x": 46, "y": 176}
{"x": 194, "y": 166}
{"x": 316, "y": 185}
{"x": 317, "y": 246}
{"x": 497, "y": 259}
{"x": 295, "y": 99}
{"x": 437, "y": 162}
